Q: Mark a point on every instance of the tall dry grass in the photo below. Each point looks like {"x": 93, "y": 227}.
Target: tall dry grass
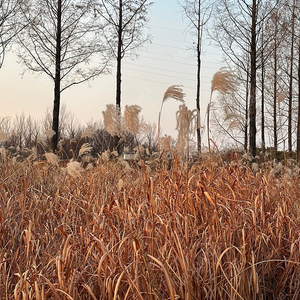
{"x": 222, "y": 233}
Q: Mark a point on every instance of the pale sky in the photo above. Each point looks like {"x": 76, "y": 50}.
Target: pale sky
{"x": 164, "y": 62}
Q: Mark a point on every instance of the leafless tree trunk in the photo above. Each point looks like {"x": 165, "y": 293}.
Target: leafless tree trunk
{"x": 199, "y": 35}
{"x": 198, "y": 13}
{"x": 290, "y": 97}
{"x": 247, "y": 110}
{"x": 275, "y": 92}
{"x": 252, "y": 104}
{"x": 57, "y": 79}
{"x": 263, "y": 141}
{"x": 298, "y": 125}
{"x": 119, "y": 55}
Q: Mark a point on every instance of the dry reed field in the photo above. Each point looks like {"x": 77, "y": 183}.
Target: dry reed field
{"x": 120, "y": 233}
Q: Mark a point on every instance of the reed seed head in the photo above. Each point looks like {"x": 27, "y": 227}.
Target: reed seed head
{"x": 50, "y": 133}
{"x": 165, "y": 142}
{"x": 87, "y": 133}
{"x": 85, "y": 149}
{"x": 224, "y": 82}
{"x": 112, "y": 119}
{"x": 3, "y": 137}
{"x": 131, "y": 121}
{"x": 175, "y": 92}
{"x": 74, "y": 169}
{"x": 52, "y": 158}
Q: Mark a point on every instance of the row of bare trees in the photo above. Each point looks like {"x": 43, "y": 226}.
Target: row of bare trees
{"x": 260, "y": 41}
{"x": 261, "y": 44}
{"x": 72, "y": 41}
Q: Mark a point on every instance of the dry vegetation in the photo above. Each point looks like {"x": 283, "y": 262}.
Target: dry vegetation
{"x": 121, "y": 233}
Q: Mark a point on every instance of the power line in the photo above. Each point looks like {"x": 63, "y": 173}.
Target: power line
{"x": 173, "y": 47}
{"x": 189, "y": 74}
{"x": 133, "y": 64}
{"x": 167, "y": 39}
{"x": 168, "y": 55}
{"x": 193, "y": 80}
{"x": 150, "y": 80}
{"x": 176, "y": 62}
{"x": 185, "y": 58}
{"x": 173, "y": 29}
{"x": 160, "y": 82}
{"x": 168, "y": 46}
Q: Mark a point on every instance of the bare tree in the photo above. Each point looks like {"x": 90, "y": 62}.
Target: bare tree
{"x": 60, "y": 40}
{"x": 126, "y": 20}
{"x": 298, "y": 113}
{"x": 9, "y": 24}
{"x": 291, "y": 74}
{"x": 149, "y": 138}
{"x": 198, "y": 13}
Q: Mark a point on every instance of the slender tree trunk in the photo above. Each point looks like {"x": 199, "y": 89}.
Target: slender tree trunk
{"x": 56, "y": 107}
{"x": 252, "y": 110}
{"x": 247, "y": 110}
{"x": 119, "y": 73}
{"x": 298, "y": 128}
{"x": 198, "y": 82}
{"x": 275, "y": 98}
{"x": 291, "y": 82}
{"x": 263, "y": 142}
{"x": 119, "y": 56}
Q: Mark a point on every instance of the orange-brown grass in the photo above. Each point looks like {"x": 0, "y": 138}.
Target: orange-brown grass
{"x": 224, "y": 233}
